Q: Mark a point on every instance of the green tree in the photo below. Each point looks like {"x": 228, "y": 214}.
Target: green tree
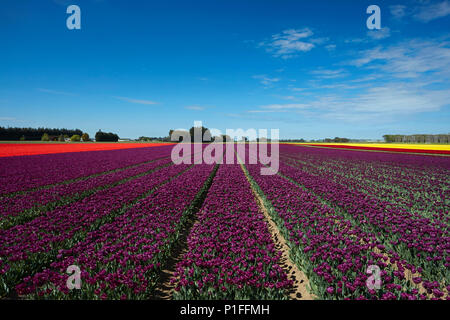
{"x": 75, "y": 138}
{"x": 45, "y": 137}
{"x": 106, "y": 136}
{"x": 206, "y": 135}
{"x": 85, "y": 137}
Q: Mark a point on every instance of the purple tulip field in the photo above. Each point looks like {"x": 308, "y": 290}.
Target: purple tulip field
{"x": 354, "y": 224}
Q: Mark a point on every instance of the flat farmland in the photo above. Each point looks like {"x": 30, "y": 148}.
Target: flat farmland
{"x": 329, "y": 224}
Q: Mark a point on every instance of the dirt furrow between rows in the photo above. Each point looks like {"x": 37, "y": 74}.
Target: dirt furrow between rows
{"x": 301, "y": 283}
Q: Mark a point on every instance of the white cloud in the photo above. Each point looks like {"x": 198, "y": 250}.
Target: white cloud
{"x": 137, "y": 101}
{"x": 197, "y": 108}
{"x": 7, "y": 119}
{"x": 297, "y": 89}
{"x": 280, "y": 107}
{"x": 433, "y": 11}
{"x": 399, "y": 99}
{"x": 265, "y": 111}
{"x": 381, "y": 103}
{"x": 329, "y": 74}
{"x": 409, "y": 59}
{"x": 287, "y": 97}
{"x": 265, "y": 80}
{"x": 355, "y": 40}
{"x": 339, "y": 86}
{"x": 330, "y": 47}
{"x": 384, "y": 103}
{"x": 289, "y": 43}
{"x": 398, "y": 11}
{"x": 379, "y": 34}
{"x": 55, "y": 92}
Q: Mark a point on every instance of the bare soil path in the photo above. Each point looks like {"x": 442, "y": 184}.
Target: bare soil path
{"x": 301, "y": 283}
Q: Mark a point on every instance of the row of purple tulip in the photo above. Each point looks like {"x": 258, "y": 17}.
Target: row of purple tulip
{"x": 230, "y": 252}
{"x": 121, "y": 259}
{"x": 421, "y": 201}
{"x": 29, "y": 247}
{"x": 334, "y": 253}
{"x": 18, "y": 174}
{"x": 418, "y": 240}
{"x": 64, "y": 193}
{"x": 426, "y": 196}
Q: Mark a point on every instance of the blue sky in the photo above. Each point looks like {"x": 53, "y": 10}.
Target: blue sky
{"x": 309, "y": 68}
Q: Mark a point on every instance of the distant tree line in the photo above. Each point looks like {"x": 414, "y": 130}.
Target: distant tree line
{"x": 36, "y": 134}
{"x": 106, "y": 136}
{"x": 148, "y": 139}
{"x": 418, "y": 138}
{"x": 336, "y": 139}
{"x": 206, "y": 135}
{"x": 292, "y": 140}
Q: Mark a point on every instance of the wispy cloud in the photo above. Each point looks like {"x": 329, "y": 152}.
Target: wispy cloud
{"x": 137, "y": 101}
{"x": 55, "y": 92}
{"x": 279, "y": 107}
{"x": 289, "y": 43}
{"x": 287, "y": 97}
{"x": 384, "y": 103}
{"x": 355, "y": 40}
{"x": 379, "y": 34}
{"x": 409, "y": 59}
{"x": 298, "y": 89}
{"x": 425, "y": 12}
{"x": 329, "y": 73}
{"x": 398, "y": 11}
{"x": 433, "y": 11}
{"x": 264, "y": 111}
{"x": 265, "y": 80}
{"x": 380, "y": 103}
{"x": 196, "y": 108}
{"x": 11, "y": 119}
